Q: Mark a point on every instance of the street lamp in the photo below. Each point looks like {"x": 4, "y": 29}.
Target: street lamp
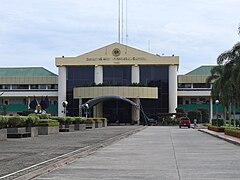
{"x": 86, "y": 108}
{"x": 217, "y": 103}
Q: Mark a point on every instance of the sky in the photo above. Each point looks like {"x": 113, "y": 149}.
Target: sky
{"x": 34, "y": 32}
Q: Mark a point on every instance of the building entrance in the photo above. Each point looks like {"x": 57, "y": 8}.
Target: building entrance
{"x": 117, "y": 111}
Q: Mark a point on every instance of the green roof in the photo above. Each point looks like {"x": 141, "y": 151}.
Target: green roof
{"x": 201, "y": 71}
{"x": 25, "y": 72}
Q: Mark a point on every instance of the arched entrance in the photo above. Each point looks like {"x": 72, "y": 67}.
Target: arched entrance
{"x": 116, "y": 108}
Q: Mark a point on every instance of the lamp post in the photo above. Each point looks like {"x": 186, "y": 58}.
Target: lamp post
{"x": 64, "y": 104}
{"x": 217, "y": 103}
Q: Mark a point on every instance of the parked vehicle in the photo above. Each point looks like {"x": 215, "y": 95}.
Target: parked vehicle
{"x": 184, "y": 121}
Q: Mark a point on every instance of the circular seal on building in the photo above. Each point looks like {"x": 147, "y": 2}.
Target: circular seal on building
{"x": 116, "y": 52}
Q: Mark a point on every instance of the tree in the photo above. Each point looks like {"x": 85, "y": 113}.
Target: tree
{"x": 231, "y": 61}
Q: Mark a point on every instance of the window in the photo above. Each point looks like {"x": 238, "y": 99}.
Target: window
{"x": 52, "y": 86}
{"x": 184, "y": 85}
{"x": 20, "y": 86}
{"x": 34, "y": 86}
{"x": 201, "y": 85}
{"x": 4, "y": 86}
{"x": 42, "y": 86}
{"x": 117, "y": 75}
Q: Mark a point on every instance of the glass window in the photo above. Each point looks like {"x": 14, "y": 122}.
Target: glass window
{"x": 4, "y": 86}
{"x": 201, "y": 85}
{"x": 155, "y": 76}
{"x": 117, "y": 75}
{"x": 52, "y": 86}
{"x": 20, "y": 86}
{"x": 184, "y": 85}
{"x": 77, "y": 76}
{"x": 34, "y": 86}
{"x": 42, "y": 86}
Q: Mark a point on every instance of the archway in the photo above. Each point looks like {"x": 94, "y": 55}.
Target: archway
{"x": 119, "y": 109}
{"x": 96, "y": 100}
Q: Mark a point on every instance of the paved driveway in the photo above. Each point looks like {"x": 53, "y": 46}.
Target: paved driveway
{"x": 158, "y": 153}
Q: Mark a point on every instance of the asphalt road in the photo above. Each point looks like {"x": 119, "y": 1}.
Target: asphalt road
{"x": 157, "y": 153}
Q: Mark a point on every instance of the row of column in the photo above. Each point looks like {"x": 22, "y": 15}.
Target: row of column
{"x": 98, "y": 78}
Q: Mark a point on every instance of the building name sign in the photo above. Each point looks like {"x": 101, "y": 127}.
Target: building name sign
{"x": 117, "y": 59}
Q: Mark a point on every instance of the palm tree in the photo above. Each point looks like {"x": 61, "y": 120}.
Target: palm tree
{"x": 231, "y": 61}
{"x": 222, "y": 86}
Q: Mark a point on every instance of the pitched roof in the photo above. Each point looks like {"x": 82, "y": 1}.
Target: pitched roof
{"x": 201, "y": 71}
{"x": 25, "y": 72}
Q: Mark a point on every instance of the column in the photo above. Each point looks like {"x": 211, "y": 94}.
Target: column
{"x": 62, "y": 89}
{"x": 29, "y": 101}
{"x": 211, "y": 110}
{"x": 80, "y": 107}
{"x": 98, "y": 74}
{"x": 135, "y": 74}
{"x": 135, "y": 111}
{"x": 97, "y": 110}
{"x": 172, "y": 88}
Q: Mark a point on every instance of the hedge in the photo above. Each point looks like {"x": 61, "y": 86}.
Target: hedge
{"x": 216, "y": 128}
{"x": 3, "y": 122}
{"x": 98, "y": 120}
{"x": 47, "y": 122}
{"x": 89, "y": 121}
{"x": 217, "y": 122}
{"x": 232, "y": 132}
{"x": 17, "y": 121}
{"x": 79, "y": 120}
{"x": 64, "y": 120}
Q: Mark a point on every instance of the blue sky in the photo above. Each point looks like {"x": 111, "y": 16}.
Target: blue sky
{"x": 34, "y": 32}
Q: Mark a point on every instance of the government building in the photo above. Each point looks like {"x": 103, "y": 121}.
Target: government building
{"x": 147, "y": 83}
{"x": 148, "y": 80}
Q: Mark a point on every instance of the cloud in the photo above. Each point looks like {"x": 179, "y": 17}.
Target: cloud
{"x": 33, "y": 32}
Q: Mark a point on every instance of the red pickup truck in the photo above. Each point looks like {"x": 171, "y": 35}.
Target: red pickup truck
{"x": 184, "y": 121}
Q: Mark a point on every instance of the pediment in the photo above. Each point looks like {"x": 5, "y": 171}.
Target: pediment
{"x": 115, "y": 54}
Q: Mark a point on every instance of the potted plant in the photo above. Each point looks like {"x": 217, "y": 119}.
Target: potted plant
{"x": 90, "y": 123}
{"x": 47, "y": 126}
{"x": 3, "y": 130}
{"x": 98, "y": 122}
{"x": 31, "y": 124}
{"x": 79, "y": 124}
{"x": 17, "y": 127}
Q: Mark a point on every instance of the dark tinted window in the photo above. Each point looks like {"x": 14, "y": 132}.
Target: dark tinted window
{"x": 117, "y": 75}
{"x": 155, "y": 76}
{"x": 77, "y": 76}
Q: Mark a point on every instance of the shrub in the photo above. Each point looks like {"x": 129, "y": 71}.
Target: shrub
{"x": 61, "y": 120}
{"x": 205, "y": 115}
{"x": 47, "y": 122}
{"x": 69, "y": 120}
{"x": 3, "y": 122}
{"x": 44, "y": 116}
{"x": 216, "y": 128}
{"x": 194, "y": 115}
{"x": 237, "y": 122}
{"x": 232, "y": 132}
{"x": 32, "y": 120}
{"x": 97, "y": 120}
{"x": 89, "y": 121}
{"x": 79, "y": 120}
{"x": 17, "y": 121}
{"x": 217, "y": 122}
{"x": 26, "y": 112}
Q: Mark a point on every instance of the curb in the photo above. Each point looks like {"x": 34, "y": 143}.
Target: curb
{"x": 221, "y": 137}
{"x": 54, "y": 163}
